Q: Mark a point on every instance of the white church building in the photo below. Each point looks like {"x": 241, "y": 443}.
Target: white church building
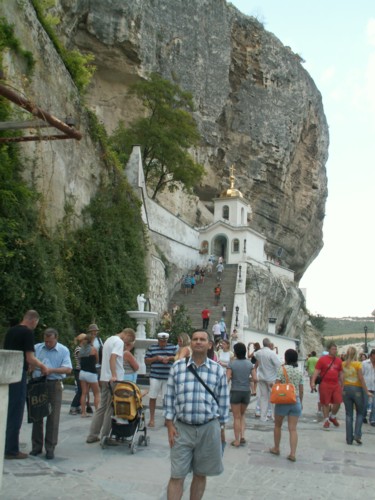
{"x": 229, "y": 235}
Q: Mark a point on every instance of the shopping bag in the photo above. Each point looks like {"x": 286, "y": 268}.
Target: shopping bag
{"x": 38, "y": 406}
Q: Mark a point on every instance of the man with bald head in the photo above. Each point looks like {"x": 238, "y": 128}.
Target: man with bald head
{"x": 20, "y": 338}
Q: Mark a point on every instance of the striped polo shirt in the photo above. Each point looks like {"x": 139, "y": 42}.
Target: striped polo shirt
{"x": 161, "y": 370}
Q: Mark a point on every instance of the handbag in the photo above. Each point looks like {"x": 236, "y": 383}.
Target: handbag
{"x": 38, "y": 406}
{"x": 319, "y": 378}
{"x": 283, "y": 394}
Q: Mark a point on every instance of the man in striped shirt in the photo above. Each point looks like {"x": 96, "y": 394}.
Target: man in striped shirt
{"x": 160, "y": 357}
{"x": 195, "y": 417}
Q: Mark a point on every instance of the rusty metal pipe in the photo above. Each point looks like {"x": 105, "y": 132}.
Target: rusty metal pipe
{"x": 36, "y": 111}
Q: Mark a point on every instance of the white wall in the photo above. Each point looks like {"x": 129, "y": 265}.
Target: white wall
{"x": 175, "y": 238}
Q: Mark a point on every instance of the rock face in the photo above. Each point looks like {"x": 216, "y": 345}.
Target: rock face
{"x": 256, "y": 106}
{"x": 65, "y": 172}
{"x": 270, "y": 296}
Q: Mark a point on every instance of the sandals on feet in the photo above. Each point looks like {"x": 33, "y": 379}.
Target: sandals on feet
{"x": 291, "y": 458}
{"x": 243, "y": 441}
{"x": 236, "y": 444}
{"x": 274, "y": 452}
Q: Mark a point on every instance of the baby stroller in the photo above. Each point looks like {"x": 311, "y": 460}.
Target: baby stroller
{"x": 128, "y": 418}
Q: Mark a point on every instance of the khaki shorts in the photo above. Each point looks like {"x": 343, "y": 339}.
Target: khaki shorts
{"x": 197, "y": 448}
{"x": 157, "y": 387}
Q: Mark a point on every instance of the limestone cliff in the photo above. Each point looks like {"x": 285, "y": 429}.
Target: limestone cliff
{"x": 270, "y": 296}
{"x": 256, "y": 106}
{"x": 66, "y": 173}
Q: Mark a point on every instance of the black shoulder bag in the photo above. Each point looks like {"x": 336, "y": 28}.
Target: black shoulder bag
{"x": 319, "y": 378}
{"x": 194, "y": 372}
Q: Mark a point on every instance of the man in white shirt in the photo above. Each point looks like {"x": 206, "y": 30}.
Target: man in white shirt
{"x": 266, "y": 364}
{"x": 216, "y": 330}
{"x": 112, "y": 371}
{"x": 368, "y": 370}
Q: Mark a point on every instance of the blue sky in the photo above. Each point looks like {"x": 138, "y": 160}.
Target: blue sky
{"x": 337, "y": 41}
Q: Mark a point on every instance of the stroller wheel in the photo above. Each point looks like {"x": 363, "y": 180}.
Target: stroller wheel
{"x": 103, "y": 442}
{"x": 147, "y": 441}
{"x": 133, "y": 447}
{"x": 140, "y": 440}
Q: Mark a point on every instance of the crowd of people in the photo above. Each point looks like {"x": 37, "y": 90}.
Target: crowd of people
{"x": 199, "y": 379}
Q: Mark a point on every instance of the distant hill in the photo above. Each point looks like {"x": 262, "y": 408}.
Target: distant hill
{"x": 347, "y": 326}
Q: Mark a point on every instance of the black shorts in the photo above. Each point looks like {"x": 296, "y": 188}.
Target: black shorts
{"x": 239, "y": 397}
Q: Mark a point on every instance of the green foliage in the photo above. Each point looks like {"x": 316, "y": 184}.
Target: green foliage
{"x": 8, "y": 40}
{"x": 80, "y": 66}
{"x": 340, "y": 326}
{"x": 318, "y": 322}
{"x": 181, "y": 323}
{"x": 165, "y": 135}
{"x": 72, "y": 278}
{"x": 105, "y": 260}
{"x": 99, "y": 136}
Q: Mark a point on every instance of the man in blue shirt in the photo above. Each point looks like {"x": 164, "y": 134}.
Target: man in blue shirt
{"x": 56, "y": 358}
{"x": 194, "y": 418}
{"x": 160, "y": 357}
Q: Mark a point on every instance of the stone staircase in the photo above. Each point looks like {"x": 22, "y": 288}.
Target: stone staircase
{"x": 203, "y": 296}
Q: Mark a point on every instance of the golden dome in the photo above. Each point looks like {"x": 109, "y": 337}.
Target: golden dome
{"x": 231, "y": 192}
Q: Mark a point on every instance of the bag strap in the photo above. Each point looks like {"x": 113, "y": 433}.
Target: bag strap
{"x": 285, "y": 375}
{"x": 194, "y": 372}
{"x": 325, "y": 373}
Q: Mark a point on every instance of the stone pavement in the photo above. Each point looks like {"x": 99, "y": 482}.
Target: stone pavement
{"x": 326, "y": 466}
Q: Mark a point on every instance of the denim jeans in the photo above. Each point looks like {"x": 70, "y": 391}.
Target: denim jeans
{"x": 353, "y": 398}
{"x": 372, "y": 411}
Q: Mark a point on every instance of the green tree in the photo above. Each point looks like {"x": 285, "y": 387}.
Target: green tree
{"x": 165, "y": 134}
{"x": 318, "y": 322}
{"x": 181, "y": 323}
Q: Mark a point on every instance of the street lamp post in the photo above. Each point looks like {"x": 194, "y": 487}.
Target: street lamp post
{"x": 365, "y": 330}
{"x": 237, "y": 309}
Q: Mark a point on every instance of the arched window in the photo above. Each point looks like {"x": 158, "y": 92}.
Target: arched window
{"x": 204, "y": 247}
{"x": 235, "y": 246}
{"x": 226, "y": 212}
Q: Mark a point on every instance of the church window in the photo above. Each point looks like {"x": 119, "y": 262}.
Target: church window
{"x": 236, "y": 246}
{"x": 204, "y": 247}
{"x": 226, "y": 212}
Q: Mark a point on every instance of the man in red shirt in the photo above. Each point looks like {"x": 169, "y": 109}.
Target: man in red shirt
{"x": 205, "y": 318}
{"x": 329, "y": 368}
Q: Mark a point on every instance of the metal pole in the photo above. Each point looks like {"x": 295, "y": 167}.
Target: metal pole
{"x": 36, "y": 111}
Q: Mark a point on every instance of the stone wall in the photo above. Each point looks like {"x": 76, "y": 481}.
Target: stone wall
{"x": 64, "y": 172}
